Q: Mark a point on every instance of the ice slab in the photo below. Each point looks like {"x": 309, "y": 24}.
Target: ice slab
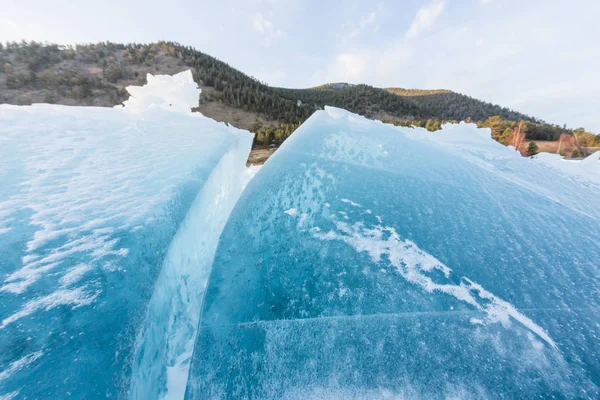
{"x": 371, "y": 261}
{"x": 101, "y": 210}
{"x": 176, "y": 93}
{"x": 586, "y": 170}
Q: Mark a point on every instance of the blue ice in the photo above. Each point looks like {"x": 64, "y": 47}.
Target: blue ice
{"x": 102, "y": 211}
{"x": 368, "y": 261}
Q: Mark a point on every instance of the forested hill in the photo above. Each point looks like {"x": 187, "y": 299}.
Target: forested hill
{"x": 97, "y": 74}
{"x": 448, "y": 105}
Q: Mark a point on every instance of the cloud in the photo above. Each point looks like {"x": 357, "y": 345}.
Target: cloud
{"x": 7, "y": 22}
{"x": 425, "y": 18}
{"x": 365, "y": 22}
{"x": 261, "y": 24}
{"x": 265, "y": 27}
{"x": 271, "y": 74}
{"x": 349, "y": 66}
{"x": 392, "y": 59}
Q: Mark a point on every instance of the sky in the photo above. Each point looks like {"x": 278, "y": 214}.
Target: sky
{"x": 539, "y": 57}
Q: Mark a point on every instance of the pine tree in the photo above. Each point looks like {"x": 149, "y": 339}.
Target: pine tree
{"x": 532, "y": 149}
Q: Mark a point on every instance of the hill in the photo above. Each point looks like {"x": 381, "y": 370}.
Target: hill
{"x": 334, "y": 86}
{"x": 448, "y": 105}
{"x": 97, "y": 74}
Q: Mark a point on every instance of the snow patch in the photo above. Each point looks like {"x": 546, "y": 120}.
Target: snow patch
{"x": 19, "y": 364}
{"x": 413, "y": 264}
{"x": 177, "y": 93}
{"x": 65, "y": 297}
{"x": 351, "y": 203}
{"x": 586, "y": 170}
{"x": 74, "y": 274}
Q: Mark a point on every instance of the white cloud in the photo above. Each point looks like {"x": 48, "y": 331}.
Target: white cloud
{"x": 266, "y": 28}
{"x": 271, "y": 74}
{"x": 7, "y": 23}
{"x": 349, "y": 66}
{"x": 391, "y": 61}
{"x": 261, "y": 24}
{"x": 365, "y": 22}
{"x": 425, "y": 18}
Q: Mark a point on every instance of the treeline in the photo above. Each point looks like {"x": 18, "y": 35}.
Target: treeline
{"x": 573, "y": 142}
{"x": 267, "y": 135}
{"x": 431, "y": 125}
{"x": 29, "y": 65}
{"x": 361, "y": 99}
{"x": 86, "y": 73}
{"x": 503, "y": 130}
{"x": 417, "y": 92}
{"x": 447, "y": 105}
{"x": 121, "y": 62}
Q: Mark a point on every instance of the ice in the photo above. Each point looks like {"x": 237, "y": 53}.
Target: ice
{"x": 165, "y": 345}
{"x": 586, "y": 170}
{"x": 164, "y": 92}
{"x": 109, "y": 219}
{"x": 249, "y": 173}
{"x": 372, "y": 261}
